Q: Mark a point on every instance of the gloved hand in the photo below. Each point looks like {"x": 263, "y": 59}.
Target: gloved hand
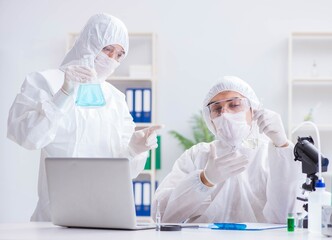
{"x": 219, "y": 169}
{"x": 270, "y": 123}
{"x": 76, "y": 74}
{"x": 144, "y": 140}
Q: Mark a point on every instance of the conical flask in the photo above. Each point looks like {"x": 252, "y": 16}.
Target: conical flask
{"x": 90, "y": 95}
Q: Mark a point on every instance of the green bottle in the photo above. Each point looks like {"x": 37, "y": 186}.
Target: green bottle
{"x": 290, "y": 222}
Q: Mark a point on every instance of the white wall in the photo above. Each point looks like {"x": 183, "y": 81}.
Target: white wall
{"x": 197, "y": 43}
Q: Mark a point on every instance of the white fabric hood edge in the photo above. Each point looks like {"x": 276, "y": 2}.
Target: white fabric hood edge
{"x": 101, "y": 30}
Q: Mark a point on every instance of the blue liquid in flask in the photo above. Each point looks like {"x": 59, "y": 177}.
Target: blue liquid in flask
{"x": 90, "y": 95}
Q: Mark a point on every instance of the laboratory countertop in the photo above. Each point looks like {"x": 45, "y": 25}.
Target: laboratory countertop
{"x": 46, "y": 230}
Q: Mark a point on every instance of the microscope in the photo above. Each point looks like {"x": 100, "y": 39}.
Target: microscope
{"x": 307, "y": 153}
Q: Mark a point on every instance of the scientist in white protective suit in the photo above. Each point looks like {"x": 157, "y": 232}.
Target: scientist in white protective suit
{"x": 248, "y": 174}
{"x": 45, "y": 116}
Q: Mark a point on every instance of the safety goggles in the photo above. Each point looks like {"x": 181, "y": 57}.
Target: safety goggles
{"x": 114, "y": 53}
{"x": 230, "y": 105}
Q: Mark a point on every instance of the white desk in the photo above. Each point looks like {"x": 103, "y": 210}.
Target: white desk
{"x": 46, "y": 231}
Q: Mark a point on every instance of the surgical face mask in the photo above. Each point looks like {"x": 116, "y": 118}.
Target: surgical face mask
{"x": 233, "y": 128}
{"x": 105, "y": 65}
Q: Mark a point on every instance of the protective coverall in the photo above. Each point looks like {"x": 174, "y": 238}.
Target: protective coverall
{"x": 35, "y": 122}
{"x": 264, "y": 192}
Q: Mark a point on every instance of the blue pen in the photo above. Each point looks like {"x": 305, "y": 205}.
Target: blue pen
{"x": 230, "y": 226}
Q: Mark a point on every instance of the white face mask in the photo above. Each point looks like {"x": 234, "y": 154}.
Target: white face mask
{"x": 232, "y": 128}
{"x": 105, "y": 65}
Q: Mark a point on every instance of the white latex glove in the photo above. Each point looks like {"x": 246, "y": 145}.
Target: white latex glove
{"x": 76, "y": 74}
{"x": 219, "y": 169}
{"x": 270, "y": 123}
{"x": 144, "y": 140}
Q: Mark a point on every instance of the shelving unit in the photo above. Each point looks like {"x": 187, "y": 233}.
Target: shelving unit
{"x": 142, "y": 55}
{"x": 141, "y": 52}
{"x": 310, "y": 85}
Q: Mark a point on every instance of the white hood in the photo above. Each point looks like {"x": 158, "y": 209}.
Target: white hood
{"x": 229, "y": 83}
{"x": 101, "y": 30}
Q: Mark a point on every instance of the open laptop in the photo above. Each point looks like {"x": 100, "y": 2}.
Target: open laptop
{"x": 92, "y": 193}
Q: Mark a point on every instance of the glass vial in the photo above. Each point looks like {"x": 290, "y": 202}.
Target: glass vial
{"x": 158, "y": 217}
{"x": 290, "y": 222}
{"x": 299, "y": 220}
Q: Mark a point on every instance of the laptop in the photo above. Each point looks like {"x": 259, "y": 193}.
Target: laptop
{"x": 92, "y": 193}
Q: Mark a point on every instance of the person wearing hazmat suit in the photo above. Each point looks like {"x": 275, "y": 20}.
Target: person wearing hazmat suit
{"x": 45, "y": 116}
{"x": 248, "y": 174}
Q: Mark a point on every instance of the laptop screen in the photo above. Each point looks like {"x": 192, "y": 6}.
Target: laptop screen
{"x": 91, "y": 192}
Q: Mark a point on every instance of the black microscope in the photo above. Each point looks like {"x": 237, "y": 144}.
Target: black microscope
{"x": 307, "y": 153}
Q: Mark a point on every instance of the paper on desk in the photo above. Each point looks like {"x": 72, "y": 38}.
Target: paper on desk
{"x": 262, "y": 226}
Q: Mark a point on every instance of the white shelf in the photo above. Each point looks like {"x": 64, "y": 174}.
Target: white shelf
{"x": 148, "y": 172}
{"x": 143, "y": 125}
{"x": 142, "y": 51}
{"x": 128, "y": 78}
{"x": 312, "y": 81}
{"x": 312, "y": 34}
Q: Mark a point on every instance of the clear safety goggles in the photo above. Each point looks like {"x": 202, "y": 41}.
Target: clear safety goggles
{"x": 230, "y": 105}
{"x": 114, "y": 53}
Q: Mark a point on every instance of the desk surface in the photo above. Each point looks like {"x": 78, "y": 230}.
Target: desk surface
{"x": 47, "y": 231}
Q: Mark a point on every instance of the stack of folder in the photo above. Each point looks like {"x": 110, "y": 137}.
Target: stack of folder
{"x": 142, "y": 196}
{"x": 139, "y": 104}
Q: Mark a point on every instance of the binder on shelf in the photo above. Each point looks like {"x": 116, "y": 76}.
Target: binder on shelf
{"x": 139, "y": 103}
{"x": 138, "y": 197}
{"x": 147, "y": 198}
{"x": 146, "y": 105}
{"x": 130, "y": 100}
{"x": 157, "y": 156}
{"x": 142, "y": 196}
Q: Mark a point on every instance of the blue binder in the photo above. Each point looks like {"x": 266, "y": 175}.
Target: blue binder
{"x": 138, "y": 198}
{"x": 147, "y": 102}
{"x": 142, "y": 196}
{"x": 139, "y": 102}
{"x": 130, "y": 101}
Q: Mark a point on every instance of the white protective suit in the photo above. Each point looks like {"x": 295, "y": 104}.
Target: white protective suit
{"x": 264, "y": 192}
{"x": 35, "y": 122}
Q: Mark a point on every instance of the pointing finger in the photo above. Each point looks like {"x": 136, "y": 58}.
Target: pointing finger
{"x": 154, "y": 128}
